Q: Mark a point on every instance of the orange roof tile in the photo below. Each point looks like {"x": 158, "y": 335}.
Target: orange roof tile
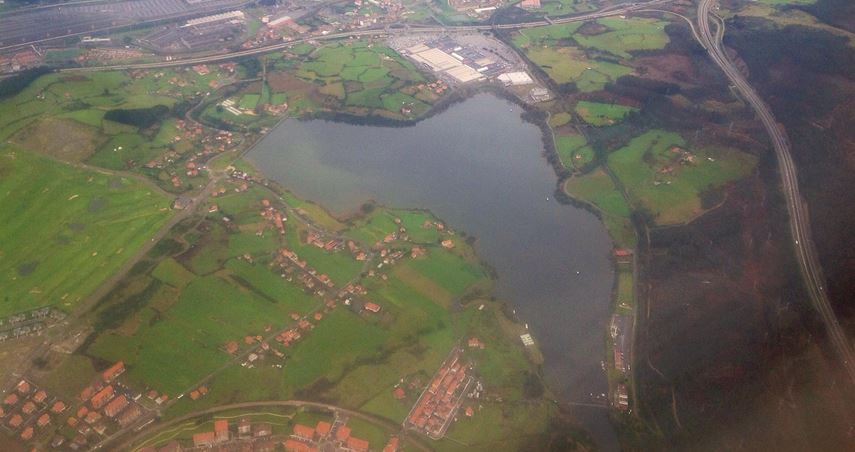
{"x": 304, "y": 431}
{"x": 113, "y": 371}
{"x": 342, "y": 433}
{"x": 203, "y": 438}
{"x": 221, "y": 425}
{"x": 323, "y": 428}
{"x": 357, "y": 444}
{"x": 292, "y": 445}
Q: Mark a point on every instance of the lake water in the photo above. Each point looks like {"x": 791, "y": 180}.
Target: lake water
{"x": 480, "y": 168}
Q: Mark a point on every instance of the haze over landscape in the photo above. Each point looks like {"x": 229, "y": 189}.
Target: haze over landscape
{"x": 399, "y": 225}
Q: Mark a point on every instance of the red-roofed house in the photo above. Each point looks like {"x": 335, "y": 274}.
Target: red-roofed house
{"x": 43, "y": 420}
{"x": 86, "y": 393}
{"x": 323, "y": 428}
{"x": 11, "y": 399}
{"x": 392, "y": 445}
{"x": 114, "y": 407}
{"x": 102, "y": 397}
{"x": 15, "y": 421}
{"x": 303, "y": 431}
{"x": 58, "y": 407}
{"x": 27, "y": 433}
{"x": 342, "y": 433}
{"x": 292, "y": 445}
{"x": 357, "y": 444}
{"x": 114, "y": 371}
{"x": 204, "y": 439}
{"x": 23, "y": 387}
{"x": 399, "y": 393}
{"x": 28, "y": 407}
{"x": 40, "y": 396}
{"x": 373, "y": 307}
{"x": 221, "y": 428}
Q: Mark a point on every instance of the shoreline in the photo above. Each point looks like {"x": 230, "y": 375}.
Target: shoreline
{"x": 531, "y": 114}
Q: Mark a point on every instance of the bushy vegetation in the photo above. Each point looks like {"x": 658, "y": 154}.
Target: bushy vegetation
{"x": 139, "y": 117}
{"x": 15, "y": 84}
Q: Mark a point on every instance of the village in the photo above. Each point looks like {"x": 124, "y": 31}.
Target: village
{"x": 438, "y": 404}
{"x": 105, "y": 406}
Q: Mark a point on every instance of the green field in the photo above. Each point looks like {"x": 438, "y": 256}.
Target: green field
{"x": 570, "y": 64}
{"x": 363, "y": 76}
{"x": 573, "y": 150}
{"x": 598, "y": 189}
{"x": 559, "y": 119}
{"x": 602, "y": 114}
{"x": 66, "y": 230}
{"x": 624, "y": 297}
{"x": 563, "y": 51}
{"x": 668, "y": 183}
{"x": 623, "y": 36}
{"x": 185, "y": 343}
{"x": 249, "y": 101}
{"x": 556, "y": 8}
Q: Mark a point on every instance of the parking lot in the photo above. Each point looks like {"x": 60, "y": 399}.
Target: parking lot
{"x": 21, "y": 28}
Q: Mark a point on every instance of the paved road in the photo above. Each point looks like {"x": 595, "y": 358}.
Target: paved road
{"x": 797, "y": 208}
{"x": 410, "y": 29}
{"x": 410, "y": 440}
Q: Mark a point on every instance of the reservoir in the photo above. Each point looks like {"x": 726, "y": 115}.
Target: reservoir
{"x": 480, "y": 168}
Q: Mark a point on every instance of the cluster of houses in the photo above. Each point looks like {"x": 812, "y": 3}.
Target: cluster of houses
{"x": 247, "y": 436}
{"x": 274, "y": 216}
{"x": 105, "y": 404}
{"x": 37, "y": 417}
{"x": 438, "y": 87}
{"x": 355, "y": 15}
{"x": 436, "y": 408}
{"x": 29, "y": 410}
{"x": 289, "y": 261}
{"x": 28, "y": 323}
{"x": 325, "y": 436}
{"x": 680, "y": 156}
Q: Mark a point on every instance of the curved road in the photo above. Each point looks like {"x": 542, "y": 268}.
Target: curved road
{"x": 796, "y": 206}
{"x": 606, "y": 12}
{"x": 416, "y": 442}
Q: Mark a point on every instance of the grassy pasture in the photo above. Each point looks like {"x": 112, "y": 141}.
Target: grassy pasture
{"x": 363, "y": 76}
{"x": 559, "y": 119}
{"x": 598, "y": 189}
{"x": 671, "y": 190}
{"x": 601, "y": 114}
{"x": 66, "y": 230}
{"x": 249, "y": 101}
{"x": 184, "y": 343}
{"x": 562, "y": 50}
{"x": 626, "y": 35}
{"x": 573, "y": 150}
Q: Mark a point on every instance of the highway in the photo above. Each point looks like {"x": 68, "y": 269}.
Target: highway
{"x": 796, "y": 207}
{"x": 410, "y": 29}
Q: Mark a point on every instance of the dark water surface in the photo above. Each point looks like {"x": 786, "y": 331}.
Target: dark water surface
{"x": 479, "y": 167}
